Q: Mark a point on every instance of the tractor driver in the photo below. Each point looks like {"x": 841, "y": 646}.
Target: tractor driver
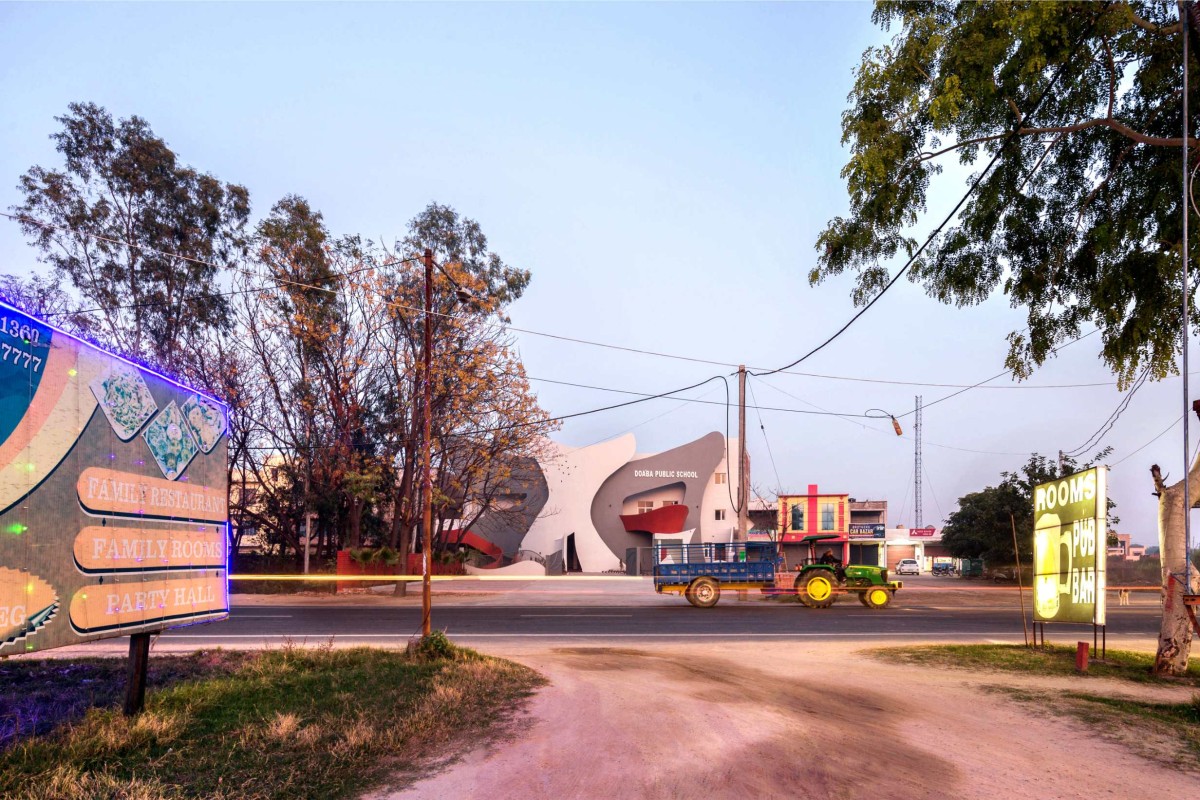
{"x": 829, "y": 558}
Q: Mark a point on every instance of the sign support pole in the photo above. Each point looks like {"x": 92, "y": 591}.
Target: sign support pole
{"x": 1020, "y": 589}
{"x": 139, "y": 662}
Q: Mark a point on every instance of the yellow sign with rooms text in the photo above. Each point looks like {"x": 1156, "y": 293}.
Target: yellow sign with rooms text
{"x": 1070, "y": 547}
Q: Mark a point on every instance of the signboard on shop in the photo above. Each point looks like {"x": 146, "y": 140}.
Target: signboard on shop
{"x": 113, "y": 494}
{"x": 1069, "y": 535}
{"x": 921, "y": 532}
{"x": 866, "y": 530}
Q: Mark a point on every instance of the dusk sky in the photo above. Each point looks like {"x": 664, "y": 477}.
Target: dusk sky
{"x": 663, "y": 170}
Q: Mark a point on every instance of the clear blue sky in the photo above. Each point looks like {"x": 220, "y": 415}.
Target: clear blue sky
{"x": 663, "y": 170}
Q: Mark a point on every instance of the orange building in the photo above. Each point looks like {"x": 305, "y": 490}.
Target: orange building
{"x": 801, "y": 515}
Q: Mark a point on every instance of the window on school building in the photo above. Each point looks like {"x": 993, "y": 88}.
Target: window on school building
{"x": 645, "y": 505}
{"x": 826, "y": 516}
{"x": 719, "y": 477}
{"x": 720, "y": 514}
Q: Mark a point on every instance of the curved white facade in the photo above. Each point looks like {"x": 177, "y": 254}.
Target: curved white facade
{"x": 573, "y": 476}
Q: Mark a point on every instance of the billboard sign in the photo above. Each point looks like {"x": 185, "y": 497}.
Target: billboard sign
{"x": 1069, "y": 536}
{"x": 922, "y": 532}
{"x": 113, "y": 494}
{"x": 866, "y": 530}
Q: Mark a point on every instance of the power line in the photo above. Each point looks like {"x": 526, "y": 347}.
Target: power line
{"x": 1168, "y": 429}
{"x": 688, "y": 400}
{"x": 933, "y": 494}
{"x": 994, "y": 377}
{"x": 655, "y": 418}
{"x": 766, "y": 439}
{"x": 1012, "y": 135}
{"x": 504, "y": 326}
{"x": 1106, "y": 426}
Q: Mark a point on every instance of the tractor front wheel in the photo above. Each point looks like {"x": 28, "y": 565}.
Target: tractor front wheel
{"x": 704, "y": 593}
{"x": 877, "y": 597}
{"x": 818, "y": 589}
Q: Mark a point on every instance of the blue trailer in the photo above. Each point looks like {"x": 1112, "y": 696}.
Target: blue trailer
{"x": 700, "y": 571}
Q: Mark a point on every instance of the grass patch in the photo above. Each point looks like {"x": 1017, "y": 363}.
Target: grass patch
{"x": 1052, "y": 660}
{"x": 271, "y": 724}
{"x": 1168, "y": 733}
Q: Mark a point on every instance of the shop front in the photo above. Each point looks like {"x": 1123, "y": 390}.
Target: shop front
{"x": 922, "y": 544}
{"x": 867, "y": 543}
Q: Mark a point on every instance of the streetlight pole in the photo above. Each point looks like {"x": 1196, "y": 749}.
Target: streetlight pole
{"x": 426, "y": 447}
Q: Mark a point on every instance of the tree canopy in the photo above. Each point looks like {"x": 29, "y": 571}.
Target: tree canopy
{"x": 314, "y": 339}
{"x": 140, "y": 236}
{"x": 983, "y": 524}
{"x": 1079, "y": 221}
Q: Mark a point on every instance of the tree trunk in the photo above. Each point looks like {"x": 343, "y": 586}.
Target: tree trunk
{"x": 355, "y": 514}
{"x": 1175, "y": 631}
{"x": 399, "y": 540}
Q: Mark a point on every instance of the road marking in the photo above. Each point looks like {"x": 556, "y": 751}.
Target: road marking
{"x": 877, "y": 634}
{"x": 567, "y": 615}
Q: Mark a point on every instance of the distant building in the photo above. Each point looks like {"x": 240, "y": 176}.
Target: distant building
{"x": 586, "y": 508}
{"x": 1125, "y": 549}
{"x": 923, "y": 544}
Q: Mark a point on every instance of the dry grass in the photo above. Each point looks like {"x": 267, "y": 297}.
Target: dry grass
{"x": 278, "y": 724}
{"x": 1166, "y": 732}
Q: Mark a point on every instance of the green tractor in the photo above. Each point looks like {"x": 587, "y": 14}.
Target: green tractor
{"x": 820, "y": 581}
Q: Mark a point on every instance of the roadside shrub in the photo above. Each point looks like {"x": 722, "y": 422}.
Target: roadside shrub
{"x": 436, "y": 645}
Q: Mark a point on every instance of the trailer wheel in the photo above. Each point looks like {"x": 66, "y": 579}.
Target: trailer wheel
{"x": 704, "y": 592}
{"x": 818, "y": 591}
{"x": 877, "y": 597}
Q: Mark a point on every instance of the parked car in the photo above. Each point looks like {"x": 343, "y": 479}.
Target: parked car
{"x": 908, "y": 566}
{"x": 943, "y": 568}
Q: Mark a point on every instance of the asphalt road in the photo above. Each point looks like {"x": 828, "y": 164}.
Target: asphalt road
{"x": 846, "y": 621}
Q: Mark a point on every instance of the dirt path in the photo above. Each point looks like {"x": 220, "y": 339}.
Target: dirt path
{"x": 793, "y": 720}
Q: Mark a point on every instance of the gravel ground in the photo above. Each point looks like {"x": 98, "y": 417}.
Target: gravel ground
{"x": 801, "y": 720}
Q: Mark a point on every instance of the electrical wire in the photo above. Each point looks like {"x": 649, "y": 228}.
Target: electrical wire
{"x": 1106, "y": 426}
{"x": 766, "y": 439}
{"x": 907, "y": 488}
{"x": 737, "y": 509}
{"x": 994, "y": 377}
{"x": 1011, "y": 137}
{"x": 689, "y": 400}
{"x": 655, "y": 418}
{"x": 499, "y": 325}
{"x": 932, "y": 492}
{"x": 1168, "y": 429}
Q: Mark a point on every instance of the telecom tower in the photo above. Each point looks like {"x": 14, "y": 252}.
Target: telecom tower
{"x": 917, "y": 469}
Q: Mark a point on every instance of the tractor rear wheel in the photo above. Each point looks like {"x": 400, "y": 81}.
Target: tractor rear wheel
{"x": 877, "y": 597}
{"x": 704, "y": 593}
{"x": 818, "y": 588}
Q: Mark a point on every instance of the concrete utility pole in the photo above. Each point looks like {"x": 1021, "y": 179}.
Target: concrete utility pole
{"x": 743, "y": 493}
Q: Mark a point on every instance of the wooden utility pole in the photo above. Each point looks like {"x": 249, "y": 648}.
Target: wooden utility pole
{"x": 426, "y": 446}
{"x": 743, "y": 492}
